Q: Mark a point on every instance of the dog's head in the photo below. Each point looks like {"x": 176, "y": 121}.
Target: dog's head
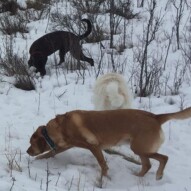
{"x": 38, "y": 143}
{"x": 38, "y": 61}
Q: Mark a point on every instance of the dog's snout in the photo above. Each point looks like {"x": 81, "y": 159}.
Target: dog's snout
{"x": 30, "y": 151}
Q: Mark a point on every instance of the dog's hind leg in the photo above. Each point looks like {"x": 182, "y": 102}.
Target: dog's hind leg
{"x": 80, "y": 56}
{"x": 62, "y": 53}
{"x": 146, "y": 165}
{"x": 162, "y": 163}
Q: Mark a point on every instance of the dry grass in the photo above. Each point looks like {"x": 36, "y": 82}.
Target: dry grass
{"x": 14, "y": 66}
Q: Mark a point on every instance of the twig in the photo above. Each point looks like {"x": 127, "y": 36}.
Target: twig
{"x": 28, "y": 166}
{"x": 41, "y": 184}
{"x": 58, "y": 178}
{"x": 13, "y": 182}
{"x": 130, "y": 159}
{"x": 61, "y": 94}
{"x": 38, "y": 111}
{"x": 71, "y": 182}
{"x": 47, "y": 177}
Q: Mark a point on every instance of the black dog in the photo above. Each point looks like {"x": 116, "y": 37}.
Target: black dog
{"x": 60, "y": 40}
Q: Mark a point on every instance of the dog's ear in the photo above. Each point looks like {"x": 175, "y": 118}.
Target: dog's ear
{"x": 39, "y": 131}
{"x": 37, "y": 134}
{"x": 67, "y": 115}
{"x": 60, "y": 119}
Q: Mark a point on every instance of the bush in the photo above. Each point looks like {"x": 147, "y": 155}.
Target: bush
{"x": 10, "y": 6}
{"x": 37, "y": 4}
{"x": 14, "y": 66}
{"x": 61, "y": 21}
{"x": 86, "y": 6}
{"x": 10, "y": 25}
{"x": 37, "y": 9}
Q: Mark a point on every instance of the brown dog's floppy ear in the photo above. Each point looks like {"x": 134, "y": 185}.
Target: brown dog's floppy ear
{"x": 67, "y": 115}
{"x": 39, "y": 130}
{"x": 38, "y": 133}
{"x": 60, "y": 119}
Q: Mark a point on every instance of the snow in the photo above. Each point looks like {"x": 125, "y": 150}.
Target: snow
{"x": 76, "y": 169}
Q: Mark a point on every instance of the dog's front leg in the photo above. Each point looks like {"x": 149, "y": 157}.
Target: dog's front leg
{"x": 96, "y": 151}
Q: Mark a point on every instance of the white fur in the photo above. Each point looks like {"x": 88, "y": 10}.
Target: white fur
{"x": 111, "y": 92}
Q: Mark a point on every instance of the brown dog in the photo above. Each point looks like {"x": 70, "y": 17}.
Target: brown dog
{"x": 63, "y": 41}
{"x": 97, "y": 130}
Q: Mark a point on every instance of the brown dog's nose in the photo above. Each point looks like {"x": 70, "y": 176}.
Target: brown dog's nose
{"x": 29, "y": 151}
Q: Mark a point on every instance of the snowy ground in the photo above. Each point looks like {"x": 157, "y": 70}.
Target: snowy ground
{"x": 22, "y": 112}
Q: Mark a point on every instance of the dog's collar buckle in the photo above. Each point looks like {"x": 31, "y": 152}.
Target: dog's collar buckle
{"x": 48, "y": 140}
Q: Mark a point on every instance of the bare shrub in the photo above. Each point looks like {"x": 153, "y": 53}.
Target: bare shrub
{"x": 121, "y": 8}
{"x": 13, "y": 162}
{"x": 178, "y": 79}
{"x": 59, "y": 21}
{"x": 120, "y": 46}
{"x": 86, "y": 6}
{"x": 149, "y": 63}
{"x": 12, "y": 65}
{"x": 10, "y": 6}
{"x": 37, "y": 4}
{"x": 73, "y": 24}
{"x": 37, "y": 10}
{"x": 10, "y": 25}
{"x": 179, "y": 14}
{"x": 186, "y": 54}
{"x": 92, "y": 10}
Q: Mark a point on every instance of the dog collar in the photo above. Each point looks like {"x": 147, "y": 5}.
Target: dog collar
{"x": 36, "y": 52}
{"x": 48, "y": 140}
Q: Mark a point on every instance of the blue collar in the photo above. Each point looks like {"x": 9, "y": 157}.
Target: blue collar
{"x": 48, "y": 140}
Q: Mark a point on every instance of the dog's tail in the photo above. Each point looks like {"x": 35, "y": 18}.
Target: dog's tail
{"x": 184, "y": 114}
{"x": 89, "y": 29}
{"x": 115, "y": 98}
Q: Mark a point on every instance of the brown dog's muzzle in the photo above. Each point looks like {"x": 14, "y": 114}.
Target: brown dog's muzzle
{"x": 32, "y": 152}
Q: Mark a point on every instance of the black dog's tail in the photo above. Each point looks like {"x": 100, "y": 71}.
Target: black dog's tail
{"x": 89, "y": 29}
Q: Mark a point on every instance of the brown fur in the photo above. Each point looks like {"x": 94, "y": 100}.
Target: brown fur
{"x": 97, "y": 130}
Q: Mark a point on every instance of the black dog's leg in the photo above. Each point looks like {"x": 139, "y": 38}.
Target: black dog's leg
{"x": 43, "y": 72}
{"x": 62, "y": 53}
{"x": 41, "y": 69}
{"x": 40, "y": 65}
{"x": 80, "y": 56}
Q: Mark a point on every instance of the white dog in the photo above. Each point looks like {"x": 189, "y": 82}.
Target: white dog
{"x": 111, "y": 92}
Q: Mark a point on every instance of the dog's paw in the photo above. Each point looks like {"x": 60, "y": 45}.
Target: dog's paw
{"x": 159, "y": 176}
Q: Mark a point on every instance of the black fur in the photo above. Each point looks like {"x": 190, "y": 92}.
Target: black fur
{"x": 60, "y": 40}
